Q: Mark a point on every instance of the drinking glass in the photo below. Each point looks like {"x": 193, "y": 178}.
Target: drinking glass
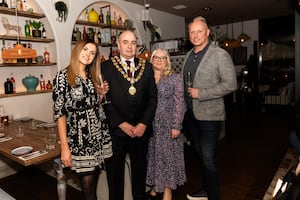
{"x": 188, "y": 79}
{"x": 104, "y": 96}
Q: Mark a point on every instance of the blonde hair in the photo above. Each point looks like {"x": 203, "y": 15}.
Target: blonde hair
{"x": 93, "y": 69}
{"x": 199, "y": 18}
{"x": 168, "y": 70}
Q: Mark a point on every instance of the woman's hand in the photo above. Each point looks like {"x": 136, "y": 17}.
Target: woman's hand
{"x": 175, "y": 133}
{"x": 103, "y": 89}
{"x": 66, "y": 157}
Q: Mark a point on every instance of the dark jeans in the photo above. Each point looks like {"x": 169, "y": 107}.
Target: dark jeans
{"x": 205, "y": 136}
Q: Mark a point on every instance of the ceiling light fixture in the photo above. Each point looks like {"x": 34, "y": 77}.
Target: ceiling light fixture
{"x": 179, "y": 7}
{"x": 207, "y": 9}
{"x": 18, "y": 51}
{"x": 243, "y": 36}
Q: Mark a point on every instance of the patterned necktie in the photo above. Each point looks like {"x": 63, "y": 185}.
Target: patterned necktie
{"x": 128, "y": 70}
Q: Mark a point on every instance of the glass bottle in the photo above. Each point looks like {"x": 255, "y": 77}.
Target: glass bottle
{"x": 120, "y": 21}
{"x": 99, "y": 35}
{"x": 96, "y": 37}
{"x": 74, "y": 34}
{"x": 27, "y": 28}
{"x": 101, "y": 18}
{"x": 46, "y": 56}
{"x": 44, "y": 33}
{"x": 78, "y": 34}
{"x": 42, "y": 82}
{"x": 84, "y": 34}
{"x": 8, "y": 87}
{"x": 12, "y": 79}
{"x": 29, "y": 60}
{"x": 107, "y": 17}
{"x": 49, "y": 85}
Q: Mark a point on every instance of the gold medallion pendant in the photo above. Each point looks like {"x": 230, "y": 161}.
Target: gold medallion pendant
{"x": 132, "y": 90}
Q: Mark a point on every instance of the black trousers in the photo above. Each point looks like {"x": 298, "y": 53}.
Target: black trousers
{"x": 137, "y": 149}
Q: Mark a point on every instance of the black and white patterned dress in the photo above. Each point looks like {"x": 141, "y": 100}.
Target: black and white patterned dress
{"x": 87, "y": 130}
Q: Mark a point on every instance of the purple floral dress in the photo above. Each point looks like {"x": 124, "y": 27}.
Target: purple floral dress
{"x": 166, "y": 166}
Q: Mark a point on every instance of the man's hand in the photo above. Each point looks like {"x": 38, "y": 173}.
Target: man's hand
{"x": 193, "y": 93}
{"x": 127, "y": 128}
{"x": 139, "y": 130}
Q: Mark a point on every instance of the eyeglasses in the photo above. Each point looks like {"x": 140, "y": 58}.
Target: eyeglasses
{"x": 157, "y": 58}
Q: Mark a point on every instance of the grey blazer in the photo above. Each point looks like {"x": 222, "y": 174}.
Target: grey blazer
{"x": 215, "y": 77}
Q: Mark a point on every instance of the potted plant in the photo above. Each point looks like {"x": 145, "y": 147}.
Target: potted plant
{"x": 36, "y": 32}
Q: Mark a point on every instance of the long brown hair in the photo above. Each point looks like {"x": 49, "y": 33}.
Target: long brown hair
{"x": 93, "y": 69}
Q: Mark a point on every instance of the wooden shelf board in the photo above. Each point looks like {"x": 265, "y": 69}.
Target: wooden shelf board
{"x": 11, "y": 11}
{"x": 24, "y": 93}
{"x": 29, "y": 39}
{"x": 26, "y": 64}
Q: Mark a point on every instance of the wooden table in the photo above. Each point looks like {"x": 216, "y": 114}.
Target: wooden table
{"x": 32, "y": 137}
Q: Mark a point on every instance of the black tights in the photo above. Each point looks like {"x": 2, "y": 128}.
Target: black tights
{"x": 89, "y": 185}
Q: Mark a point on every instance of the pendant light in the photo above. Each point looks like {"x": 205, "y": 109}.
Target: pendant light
{"x": 233, "y": 43}
{"x": 18, "y": 51}
{"x": 243, "y": 36}
{"x": 226, "y": 41}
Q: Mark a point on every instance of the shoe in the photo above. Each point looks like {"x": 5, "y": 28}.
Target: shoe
{"x": 199, "y": 195}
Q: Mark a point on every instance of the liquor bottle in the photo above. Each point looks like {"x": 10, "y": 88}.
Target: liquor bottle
{"x": 44, "y": 33}
{"x": 49, "y": 85}
{"x": 46, "y": 56}
{"x": 27, "y": 28}
{"x": 113, "y": 38}
{"x": 74, "y": 34}
{"x": 114, "y": 19}
{"x": 30, "y": 28}
{"x": 86, "y": 15}
{"x": 120, "y": 21}
{"x": 78, "y": 34}
{"x": 4, "y": 4}
{"x": 8, "y": 87}
{"x": 101, "y": 18}
{"x": 96, "y": 37}
{"x": 99, "y": 35}
{"x": 29, "y": 60}
{"x": 84, "y": 35}
{"x": 42, "y": 82}
{"x": 12, "y": 79}
{"x": 90, "y": 34}
{"x": 107, "y": 17}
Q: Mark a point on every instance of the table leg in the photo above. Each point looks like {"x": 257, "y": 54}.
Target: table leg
{"x": 61, "y": 179}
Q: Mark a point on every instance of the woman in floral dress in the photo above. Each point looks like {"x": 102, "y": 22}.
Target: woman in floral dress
{"x": 166, "y": 169}
{"x": 82, "y": 128}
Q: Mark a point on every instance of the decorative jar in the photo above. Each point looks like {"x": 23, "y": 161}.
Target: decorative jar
{"x": 30, "y": 82}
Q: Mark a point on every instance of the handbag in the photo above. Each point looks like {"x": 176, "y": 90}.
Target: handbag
{"x": 289, "y": 188}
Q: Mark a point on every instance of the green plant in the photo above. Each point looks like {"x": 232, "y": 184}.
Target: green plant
{"x": 36, "y": 24}
{"x": 62, "y": 11}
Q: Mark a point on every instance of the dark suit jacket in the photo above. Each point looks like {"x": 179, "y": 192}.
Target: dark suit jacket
{"x": 134, "y": 109}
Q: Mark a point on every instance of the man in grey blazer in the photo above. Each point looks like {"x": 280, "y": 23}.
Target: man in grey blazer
{"x": 213, "y": 76}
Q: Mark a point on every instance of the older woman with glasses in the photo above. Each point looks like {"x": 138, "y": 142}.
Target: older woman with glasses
{"x": 166, "y": 170}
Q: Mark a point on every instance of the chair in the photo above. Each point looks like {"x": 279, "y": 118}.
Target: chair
{"x": 284, "y": 98}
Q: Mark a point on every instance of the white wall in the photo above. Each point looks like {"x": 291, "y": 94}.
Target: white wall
{"x": 39, "y": 106}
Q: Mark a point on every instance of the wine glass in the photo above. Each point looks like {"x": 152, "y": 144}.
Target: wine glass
{"x": 104, "y": 96}
{"x": 188, "y": 79}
